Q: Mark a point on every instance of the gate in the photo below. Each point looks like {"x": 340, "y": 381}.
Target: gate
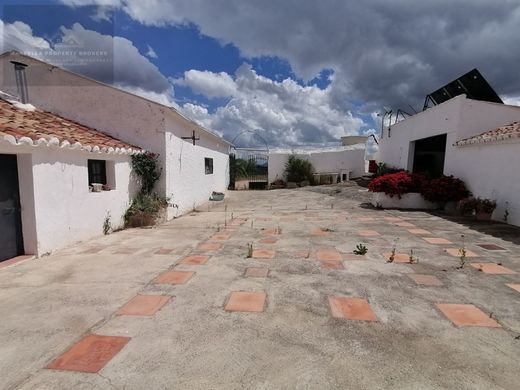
{"x": 249, "y": 165}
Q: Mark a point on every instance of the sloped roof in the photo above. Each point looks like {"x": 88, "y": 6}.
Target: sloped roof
{"x": 503, "y": 133}
{"x": 23, "y": 124}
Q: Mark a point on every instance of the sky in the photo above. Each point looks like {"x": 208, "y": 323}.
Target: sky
{"x": 295, "y": 72}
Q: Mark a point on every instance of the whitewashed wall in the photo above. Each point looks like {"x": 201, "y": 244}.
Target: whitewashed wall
{"x": 57, "y": 207}
{"x": 491, "y": 171}
{"x": 134, "y": 120}
{"x": 340, "y": 160}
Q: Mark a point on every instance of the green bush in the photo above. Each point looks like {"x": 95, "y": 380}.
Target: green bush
{"x": 298, "y": 170}
{"x": 145, "y": 204}
{"x": 146, "y": 166}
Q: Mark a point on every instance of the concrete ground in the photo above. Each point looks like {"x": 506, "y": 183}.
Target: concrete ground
{"x": 397, "y": 338}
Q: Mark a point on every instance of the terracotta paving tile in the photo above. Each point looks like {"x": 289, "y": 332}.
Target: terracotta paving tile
{"x": 174, "y": 277}
{"x": 268, "y": 241}
{"x": 14, "y": 260}
{"x": 90, "y": 354}
{"x": 365, "y": 219}
{"x": 288, "y": 219}
{"x": 164, "y": 251}
{"x": 455, "y": 252}
{"x": 405, "y": 224}
{"x": 255, "y": 272}
{"x": 331, "y": 264}
{"x": 491, "y": 247}
{"x": 319, "y": 233}
{"x": 419, "y": 232}
{"x": 392, "y": 219}
{"x": 328, "y": 255}
{"x": 399, "y": 257}
{"x": 93, "y": 250}
{"x": 195, "y": 259}
{"x": 492, "y": 268}
{"x": 427, "y": 280}
{"x": 437, "y": 240}
{"x": 209, "y": 247}
{"x": 514, "y": 286}
{"x": 220, "y": 237}
{"x": 303, "y": 254}
{"x": 368, "y": 233}
{"x": 466, "y": 315}
{"x": 351, "y": 308}
{"x": 263, "y": 218}
{"x": 143, "y": 305}
{"x": 263, "y": 254}
{"x": 268, "y": 231}
{"x": 246, "y": 301}
{"x": 126, "y": 251}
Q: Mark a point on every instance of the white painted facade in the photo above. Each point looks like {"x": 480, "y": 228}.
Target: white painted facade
{"x": 348, "y": 160}
{"x": 130, "y": 118}
{"x": 57, "y": 207}
{"x": 489, "y": 170}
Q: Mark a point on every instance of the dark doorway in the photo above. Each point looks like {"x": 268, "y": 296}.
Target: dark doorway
{"x": 429, "y": 155}
{"x": 11, "y": 242}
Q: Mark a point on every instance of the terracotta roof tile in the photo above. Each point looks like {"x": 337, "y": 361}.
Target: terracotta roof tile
{"x": 510, "y": 131}
{"x": 45, "y": 127}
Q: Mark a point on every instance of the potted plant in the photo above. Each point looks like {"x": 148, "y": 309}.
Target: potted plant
{"x": 484, "y": 209}
{"x": 466, "y": 206}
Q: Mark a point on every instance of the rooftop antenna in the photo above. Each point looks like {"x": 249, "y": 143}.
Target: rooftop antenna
{"x": 21, "y": 80}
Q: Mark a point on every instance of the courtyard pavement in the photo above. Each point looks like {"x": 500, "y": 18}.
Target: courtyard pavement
{"x": 262, "y": 291}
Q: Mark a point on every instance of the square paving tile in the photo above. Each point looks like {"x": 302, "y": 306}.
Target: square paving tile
{"x": 398, "y": 257}
{"x": 351, "y": 308}
{"x": 90, "y": 354}
{"x": 268, "y": 241}
{"x": 368, "y": 233}
{"x": 365, "y": 219}
{"x": 514, "y": 286}
{"x": 319, "y": 233}
{"x": 427, "y": 280}
{"x": 491, "y": 247}
{"x": 255, "y": 272}
{"x": 328, "y": 255}
{"x": 455, "y": 252}
{"x": 195, "y": 260}
{"x": 405, "y": 224}
{"x": 220, "y": 237}
{"x": 143, "y": 305}
{"x": 466, "y": 315}
{"x": 246, "y": 301}
{"x": 268, "y": 231}
{"x": 437, "y": 240}
{"x": 331, "y": 264}
{"x": 126, "y": 251}
{"x": 174, "y": 277}
{"x": 492, "y": 268}
{"x": 419, "y": 232}
{"x": 263, "y": 254}
{"x": 93, "y": 250}
{"x": 392, "y": 219}
{"x": 15, "y": 260}
{"x": 209, "y": 247}
{"x": 164, "y": 251}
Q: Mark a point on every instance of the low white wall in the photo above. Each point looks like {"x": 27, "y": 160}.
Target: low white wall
{"x": 491, "y": 171}
{"x": 340, "y": 161}
{"x": 57, "y": 207}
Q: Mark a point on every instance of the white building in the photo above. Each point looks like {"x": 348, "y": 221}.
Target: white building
{"x": 190, "y": 172}
{"x": 57, "y": 208}
{"x": 46, "y": 165}
{"x": 461, "y": 137}
{"x": 343, "y": 162}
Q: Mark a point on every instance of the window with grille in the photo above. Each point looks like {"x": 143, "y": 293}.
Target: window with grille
{"x": 97, "y": 172}
{"x": 208, "y": 165}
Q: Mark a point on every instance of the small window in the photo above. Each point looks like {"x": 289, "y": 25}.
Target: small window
{"x": 97, "y": 172}
{"x": 208, "y": 166}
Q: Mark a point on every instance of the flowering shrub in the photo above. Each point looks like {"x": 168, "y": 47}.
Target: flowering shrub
{"x": 444, "y": 189}
{"x": 485, "y": 205}
{"x": 398, "y": 183}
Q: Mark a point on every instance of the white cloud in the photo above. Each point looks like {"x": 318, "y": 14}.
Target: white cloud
{"x": 284, "y": 113}
{"x": 151, "y": 52}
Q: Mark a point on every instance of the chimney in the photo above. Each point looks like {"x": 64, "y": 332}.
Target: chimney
{"x": 21, "y": 80}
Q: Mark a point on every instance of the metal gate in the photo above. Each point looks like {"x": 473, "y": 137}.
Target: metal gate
{"x": 248, "y": 169}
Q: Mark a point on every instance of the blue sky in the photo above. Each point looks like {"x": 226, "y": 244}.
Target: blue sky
{"x": 298, "y": 72}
